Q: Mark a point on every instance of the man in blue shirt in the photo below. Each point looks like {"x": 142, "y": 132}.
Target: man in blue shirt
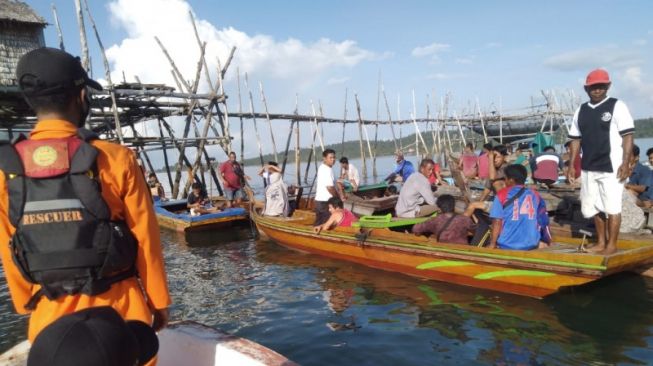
{"x": 404, "y": 168}
{"x": 519, "y": 217}
{"x": 641, "y": 179}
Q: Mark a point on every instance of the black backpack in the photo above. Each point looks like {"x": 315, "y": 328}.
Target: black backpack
{"x": 65, "y": 240}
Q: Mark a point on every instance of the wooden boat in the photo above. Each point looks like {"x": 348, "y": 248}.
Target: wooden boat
{"x": 370, "y": 190}
{"x": 371, "y": 206}
{"x": 189, "y": 343}
{"x": 535, "y": 273}
{"x": 174, "y": 215}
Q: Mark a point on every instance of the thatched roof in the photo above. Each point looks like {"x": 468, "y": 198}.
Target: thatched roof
{"x": 18, "y": 11}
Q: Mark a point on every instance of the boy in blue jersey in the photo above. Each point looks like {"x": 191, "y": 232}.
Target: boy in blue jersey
{"x": 519, "y": 217}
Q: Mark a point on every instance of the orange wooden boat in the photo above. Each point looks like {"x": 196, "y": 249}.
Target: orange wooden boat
{"x": 535, "y": 273}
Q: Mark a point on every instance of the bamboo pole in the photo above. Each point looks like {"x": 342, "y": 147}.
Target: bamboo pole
{"x": 317, "y": 129}
{"x": 285, "y": 154}
{"x": 376, "y": 125}
{"x": 267, "y": 116}
{"x": 82, "y": 36}
{"x": 344, "y": 125}
{"x": 240, "y": 111}
{"x": 500, "y": 123}
{"x": 387, "y": 108}
{"x": 480, "y": 116}
{"x": 191, "y": 107}
{"x": 199, "y": 43}
{"x": 298, "y": 172}
{"x": 165, "y": 153}
{"x": 401, "y": 130}
{"x": 418, "y": 134}
{"x": 251, "y": 109}
{"x": 360, "y": 136}
{"x": 226, "y": 132}
{"x": 114, "y": 106}
{"x": 56, "y": 23}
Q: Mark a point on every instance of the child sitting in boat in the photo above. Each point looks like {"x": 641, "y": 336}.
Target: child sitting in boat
{"x": 340, "y": 216}
{"x": 519, "y": 217}
{"x": 447, "y": 227}
{"x": 198, "y": 201}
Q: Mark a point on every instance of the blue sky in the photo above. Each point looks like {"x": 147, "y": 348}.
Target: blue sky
{"x": 490, "y": 50}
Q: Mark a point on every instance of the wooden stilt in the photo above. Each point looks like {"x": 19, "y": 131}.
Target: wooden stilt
{"x": 251, "y": 109}
{"x": 165, "y": 153}
{"x": 344, "y": 125}
{"x": 82, "y": 36}
{"x": 114, "y": 107}
{"x": 267, "y": 116}
{"x": 56, "y": 23}
{"x": 360, "y": 136}
{"x": 392, "y": 128}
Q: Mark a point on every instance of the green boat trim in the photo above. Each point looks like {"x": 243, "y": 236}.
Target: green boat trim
{"x": 444, "y": 263}
{"x": 446, "y": 250}
{"x": 387, "y": 221}
{"x": 512, "y": 273}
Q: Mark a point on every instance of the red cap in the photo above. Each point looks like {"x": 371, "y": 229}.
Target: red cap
{"x": 598, "y": 76}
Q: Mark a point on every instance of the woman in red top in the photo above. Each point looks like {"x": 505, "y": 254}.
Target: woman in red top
{"x": 339, "y": 216}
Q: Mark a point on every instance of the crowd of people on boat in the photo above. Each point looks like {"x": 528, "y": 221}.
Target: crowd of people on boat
{"x": 98, "y": 290}
{"x": 510, "y": 212}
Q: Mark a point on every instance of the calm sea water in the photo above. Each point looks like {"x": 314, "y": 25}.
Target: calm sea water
{"x": 318, "y": 311}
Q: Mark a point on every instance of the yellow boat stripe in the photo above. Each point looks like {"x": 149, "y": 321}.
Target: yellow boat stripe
{"x": 444, "y": 263}
{"x": 512, "y": 272}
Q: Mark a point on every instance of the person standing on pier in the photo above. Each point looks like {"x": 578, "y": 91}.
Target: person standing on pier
{"x": 603, "y": 128}
{"x": 76, "y": 210}
{"x": 325, "y": 187}
{"x": 233, "y": 179}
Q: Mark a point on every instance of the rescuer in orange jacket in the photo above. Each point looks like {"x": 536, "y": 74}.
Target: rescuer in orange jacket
{"x": 55, "y": 85}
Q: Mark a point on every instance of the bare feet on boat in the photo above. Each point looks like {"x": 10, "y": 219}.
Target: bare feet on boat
{"x": 592, "y": 248}
{"x": 609, "y": 250}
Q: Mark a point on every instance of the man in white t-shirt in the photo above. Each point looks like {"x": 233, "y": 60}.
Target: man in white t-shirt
{"x": 324, "y": 187}
{"x": 349, "y": 178}
{"x": 603, "y": 128}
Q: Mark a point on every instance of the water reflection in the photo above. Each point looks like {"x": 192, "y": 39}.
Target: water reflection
{"x": 319, "y": 311}
{"x": 604, "y": 322}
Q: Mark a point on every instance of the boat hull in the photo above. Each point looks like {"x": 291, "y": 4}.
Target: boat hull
{"x": 168, "y": 219}
{"x": 189, "y": 343}
{"x": 528, "y": 273}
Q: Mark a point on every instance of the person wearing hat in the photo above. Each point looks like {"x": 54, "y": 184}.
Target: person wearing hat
{"x": 94, "y": 336}
{"x": 56, "y": 86}
{"x": 603, "y": 129}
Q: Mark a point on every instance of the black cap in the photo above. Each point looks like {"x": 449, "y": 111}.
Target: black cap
{"x": 45, "y": 71}
{"x": 94, "y": 336}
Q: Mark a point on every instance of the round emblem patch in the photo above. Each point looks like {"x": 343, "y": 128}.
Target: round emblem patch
{"x": 44, "y": 156}
{"x": 606, "y": 116}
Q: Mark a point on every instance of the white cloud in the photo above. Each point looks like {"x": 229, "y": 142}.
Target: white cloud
{"x": 609, "y": 56}
{"x": 464, "y": 60}
{"x": 263, "y": 56}
{"x": 493, "y": 45}
{"x": 336, "y": 81}
{"x": 633, "y": 81}
{"x": 433, "y": 50}
{"x": 445, "y": 76}
{"x": 640, "y": 42}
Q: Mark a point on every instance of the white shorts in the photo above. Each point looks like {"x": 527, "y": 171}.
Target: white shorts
{"x": 600, "y": 192}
